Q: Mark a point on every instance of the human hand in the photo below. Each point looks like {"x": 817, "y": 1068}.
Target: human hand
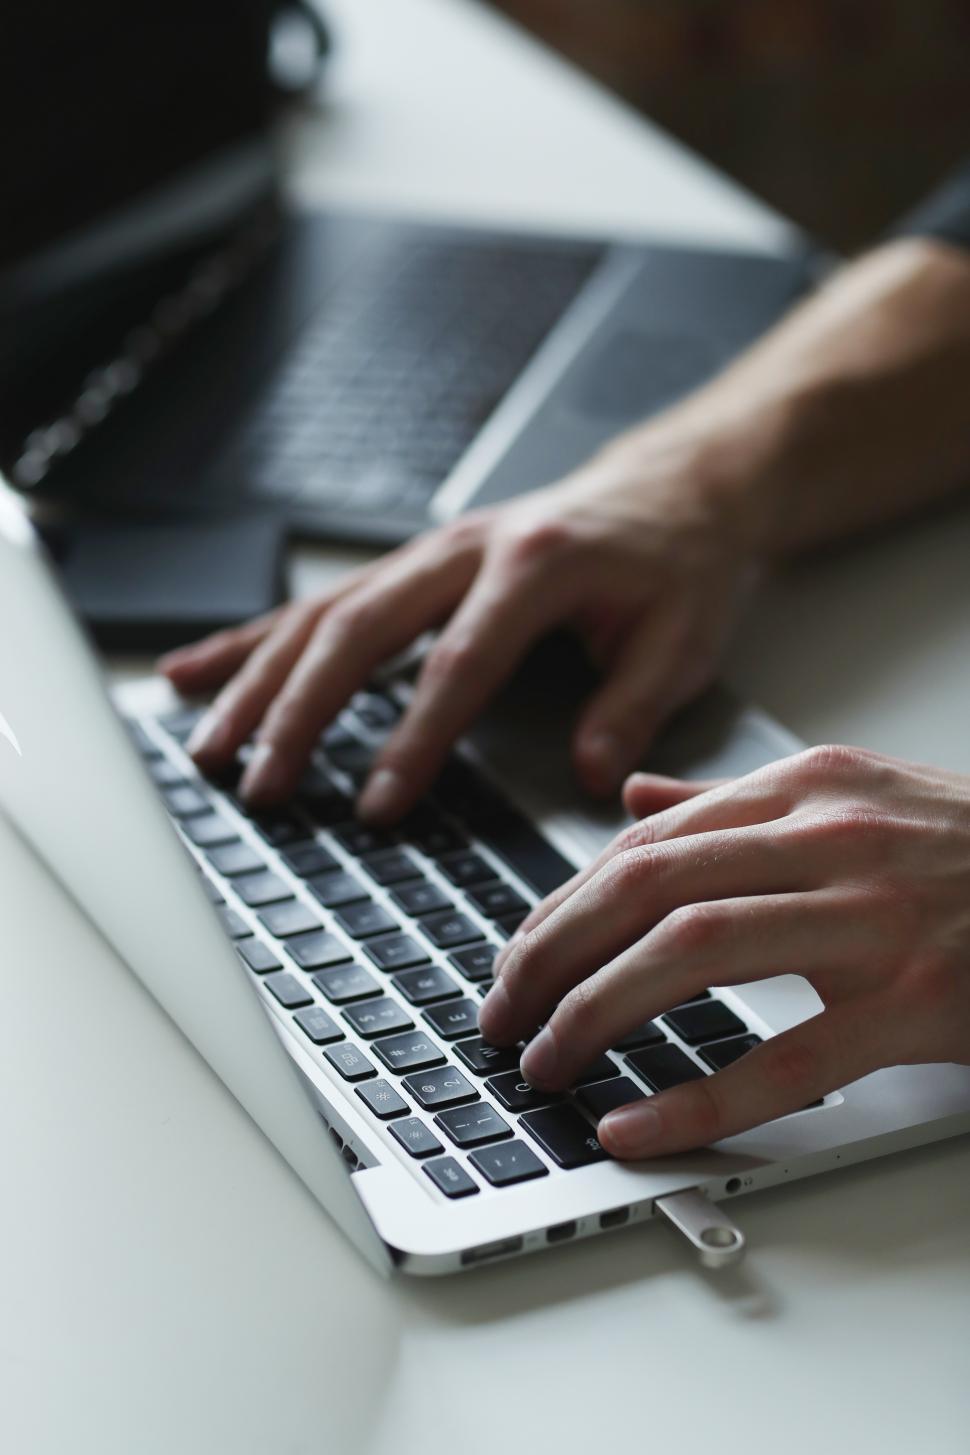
{"x": 850, "y": 868}
{"x": 634, "y": 551}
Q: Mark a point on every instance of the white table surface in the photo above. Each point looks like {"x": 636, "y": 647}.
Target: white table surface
{"x": 168, "y": 1286}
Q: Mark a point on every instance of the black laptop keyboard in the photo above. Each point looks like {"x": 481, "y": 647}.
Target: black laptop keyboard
{"x": 389, "y": 384}
{"x": 378, "y": 947}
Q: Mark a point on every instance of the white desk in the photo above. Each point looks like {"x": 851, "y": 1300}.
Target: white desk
{"x": 168, "y": 1286}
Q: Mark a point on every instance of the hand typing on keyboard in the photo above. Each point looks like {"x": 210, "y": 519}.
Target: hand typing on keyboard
{"x": 636, "y": 551}
{"x": 851, "y": 868}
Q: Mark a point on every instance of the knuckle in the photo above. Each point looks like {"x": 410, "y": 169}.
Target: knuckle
{"x": 351, "y": 619}
{"x": 828, "y": 760}
{"x": 578, "y": 1011}
{"x": 537, "y": 542}
{"x": 453, "y": 656}
{"x": 625, "y": 872}
{"x": 790, "y": 1065}
{"x": 692, "y": 928}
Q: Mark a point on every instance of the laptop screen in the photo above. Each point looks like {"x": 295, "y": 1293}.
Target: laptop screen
{"x": 132, "y": 132}
{"x": 104, "y": 100}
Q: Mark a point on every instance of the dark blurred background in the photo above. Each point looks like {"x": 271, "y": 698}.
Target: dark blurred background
{"x": 841, "y": 113}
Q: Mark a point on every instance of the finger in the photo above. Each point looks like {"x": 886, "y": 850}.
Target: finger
{"x": 784, "y": 1075}
{"x": 624, "y": 713}
{"x": 237, "y": 709}
{"x": 646, "y": 793}
{"x": 502, "y": 615}
{"x": 759, "y": 797}
{"x": 627, "y": 898}
{"x": 206, "y": 664}
{"x": 723, "y": 942}
{"x": 359, "y": 632}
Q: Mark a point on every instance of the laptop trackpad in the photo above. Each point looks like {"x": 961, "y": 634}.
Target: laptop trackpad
{"x": 632, "y": 373}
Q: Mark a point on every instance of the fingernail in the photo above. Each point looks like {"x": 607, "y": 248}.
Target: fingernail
{"x": 265, "y": 774}
{"x": 382, "y": 796}
{"x": 209, "y": 737}
{"x": 504, "y": 952}
{"x": 540, "y": 1059}
{"x": 630, "y": 1131}
{"x": 495, "y": 1013}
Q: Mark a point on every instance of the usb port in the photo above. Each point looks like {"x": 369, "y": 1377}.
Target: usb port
{"x": 484, "y": 1251}
{"x": 561, "y": 1232}
{"x": 615, "y": 1218}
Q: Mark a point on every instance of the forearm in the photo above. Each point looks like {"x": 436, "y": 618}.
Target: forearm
{"x": 854, "y": 410}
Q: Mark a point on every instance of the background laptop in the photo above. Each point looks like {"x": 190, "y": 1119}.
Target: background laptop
{"x": 368, "y": 958}
{"x": 176, "y": 340}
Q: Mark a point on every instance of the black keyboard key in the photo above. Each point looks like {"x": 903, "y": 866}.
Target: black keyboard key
{"x": 343, "y": 985}
{"x": 383, "y": 1100}
{"x": 599, "y": 1070}
{"x": 336, "y": 889}
{"x": 706, "y": 1020}
{"x": 353, "y": 758}
{"x": 508, "y": 925}
{"x": 309, "y": 858}
{"x": 396, "y": 952}
{"x": 439, "y": 1087}
{"x": 454, "y": 1019}
{"x": 508, "y": 1163}
{"x": 145, "y": 745}
{"x": 446, "y": 931}
{"x": 364, "y": 919}
{"x": 258, "y": 957}
{"x": 428, "y": 831}
{"x": 391, "y": 867}
{"x": 181, "y": 723}
{"x": 352, "y": 1064}
{"x": 415, "y": 1137}
{"x": 465, "y": 868}
{"x": 605, "y": 1096}
{"x": 724, "y": 1053}
{"x": 233, "y": 924}
{"x": 359, "y": 838}
{"x": 261, "y": 888}
{"x": 316, "y": 1024}
{"x": 211, "y": 891}
{"x": 410, "y": 1052}
{"x": 233, "y": 859}
{"x": 516, "y": 1094}
{"x": 450, "y": 1177}
{"x": 486, "y": 1060}
{"x": 375, "y": 710}
{"x": 318, "y": 948}
{"x": 184, "y": 801}
{"x": 421, "y": 898}
{"x": 287, "y": 990}
{"x": 289, "y": 918}
{"x": 279, "y": 828}
{"x": 564, "y": 1135}
{"x": 165, "y": 774}
{"x": 378, "y": 1018}
{"x": 647, "y": 1034}
{"x": 423, "y": 986}
{"x": 498, "y": 900}
{"x": 475, "y": 963}
{"x": 208, "y": 830}
{"x": 663, "y": 1066}
{"x": 472, "y": 1125}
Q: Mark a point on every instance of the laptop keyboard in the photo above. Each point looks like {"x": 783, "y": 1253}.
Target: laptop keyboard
{"x": 391, "y": 381}
{"x": 377, "y": 947}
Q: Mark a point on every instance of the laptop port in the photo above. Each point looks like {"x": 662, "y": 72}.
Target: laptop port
{"x": 615, "y": 1218}
{"x": 484, "y": 1251}
{"x": 561, "y": 1232}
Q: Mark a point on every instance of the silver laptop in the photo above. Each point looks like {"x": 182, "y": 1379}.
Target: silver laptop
{"x": 331, "y": 976}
